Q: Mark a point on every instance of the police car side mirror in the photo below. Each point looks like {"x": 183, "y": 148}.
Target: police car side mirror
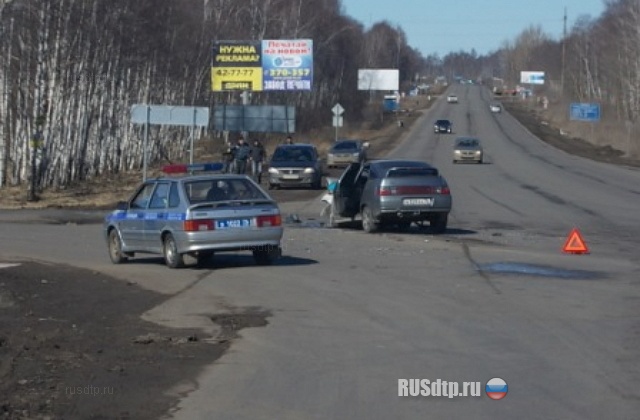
{"x": 122, "y": 205}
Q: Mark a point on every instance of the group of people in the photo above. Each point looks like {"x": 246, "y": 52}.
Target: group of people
{"x": 242, "y": 156}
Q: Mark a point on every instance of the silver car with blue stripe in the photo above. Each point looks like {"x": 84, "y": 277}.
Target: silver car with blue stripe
{"x": 195, "y": 215}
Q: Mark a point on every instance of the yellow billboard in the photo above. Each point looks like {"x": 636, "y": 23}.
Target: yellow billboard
{"x": 237, "y": 65}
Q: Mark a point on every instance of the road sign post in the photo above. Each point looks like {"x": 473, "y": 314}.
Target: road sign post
{"x": 168, "y": 115}
{"x": 337, "y": 110}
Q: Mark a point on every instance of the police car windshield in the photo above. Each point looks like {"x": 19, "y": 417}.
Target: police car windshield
{"x": 228, "y": 189}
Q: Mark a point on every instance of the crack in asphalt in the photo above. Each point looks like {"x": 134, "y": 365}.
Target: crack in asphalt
{"x": 484, "y": 275}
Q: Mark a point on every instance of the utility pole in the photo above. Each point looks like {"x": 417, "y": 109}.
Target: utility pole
{"x": 564, "y": 48}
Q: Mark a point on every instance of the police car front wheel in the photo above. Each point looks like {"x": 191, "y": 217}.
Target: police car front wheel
{"x": 115, "y": 248}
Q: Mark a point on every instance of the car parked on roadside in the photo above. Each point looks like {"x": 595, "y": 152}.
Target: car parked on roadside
{"x": 443, "y": 126}
{"x": 344, "y": 152}
{"x": 495, "y": 108}
{"x": 195, "y": 215}
{"x": 467, "y": 149}
{"x": 393, "y": 192}
{"x": 295, "y": 165}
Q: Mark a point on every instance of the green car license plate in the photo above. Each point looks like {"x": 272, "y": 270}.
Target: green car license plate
{"x": 418, "y": 202}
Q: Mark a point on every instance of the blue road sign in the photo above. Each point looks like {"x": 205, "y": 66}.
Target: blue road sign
{"x": 584, "y": 112}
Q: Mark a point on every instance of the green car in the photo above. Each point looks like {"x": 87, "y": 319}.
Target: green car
{"x": 393, "y": 192}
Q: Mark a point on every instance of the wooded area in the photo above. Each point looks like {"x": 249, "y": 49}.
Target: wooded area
{"x": 71, "y": 69}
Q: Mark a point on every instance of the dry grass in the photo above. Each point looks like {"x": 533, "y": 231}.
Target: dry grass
{"x": 104, "y": 192}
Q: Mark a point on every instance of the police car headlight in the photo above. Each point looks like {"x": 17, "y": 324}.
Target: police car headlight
{"x": 309, "y": 170}
{"x": 274, "y": 171}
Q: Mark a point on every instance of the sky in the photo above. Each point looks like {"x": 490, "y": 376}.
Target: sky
{"x": 440, "y": 27}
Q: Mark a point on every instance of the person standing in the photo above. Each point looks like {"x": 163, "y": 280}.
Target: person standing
{"x": 241, "y": 156}
{"x": 257, "y": 157}
{"x": 289, "y": 140}
{"x": 228, "y": 157}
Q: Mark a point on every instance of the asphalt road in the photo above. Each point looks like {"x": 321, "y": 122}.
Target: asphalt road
{"x": 354, "y": 313}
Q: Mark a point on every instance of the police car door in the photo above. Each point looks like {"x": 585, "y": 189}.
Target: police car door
{"x": 132, "y": 224}
{"x": 156, "y": 217}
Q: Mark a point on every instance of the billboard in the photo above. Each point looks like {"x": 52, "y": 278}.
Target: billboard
{"x": 532, "y": 77}
{"x": 287, "y": 65}
{"x": 267, "y": 65}
{"x": 378, "y": 79}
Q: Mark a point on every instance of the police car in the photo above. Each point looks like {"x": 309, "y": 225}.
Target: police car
{"x": 195, "y": 215}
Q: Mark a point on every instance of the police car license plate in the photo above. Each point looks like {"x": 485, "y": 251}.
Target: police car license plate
{"x": 418, "y": 202}
{"x": 233, "y": 224}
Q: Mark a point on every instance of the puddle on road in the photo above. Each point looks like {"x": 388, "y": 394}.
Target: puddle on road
{"x": 538, "y": 271}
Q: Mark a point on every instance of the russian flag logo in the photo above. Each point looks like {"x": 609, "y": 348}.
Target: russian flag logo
{"x": 496, "y": 389}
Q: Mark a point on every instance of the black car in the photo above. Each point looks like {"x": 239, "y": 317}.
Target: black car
{"x": 293, "y": 165}
{"x": 443, "y": 126}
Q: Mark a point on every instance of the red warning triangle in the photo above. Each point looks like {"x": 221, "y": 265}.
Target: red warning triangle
{"x": 575, "y": 243}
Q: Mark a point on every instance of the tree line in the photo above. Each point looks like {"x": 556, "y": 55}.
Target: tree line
{"x": 71, "y": 69}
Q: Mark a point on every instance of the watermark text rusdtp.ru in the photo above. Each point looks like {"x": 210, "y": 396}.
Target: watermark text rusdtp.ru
{"x": 438, "y": 388}
{"x": 89, "y": 390}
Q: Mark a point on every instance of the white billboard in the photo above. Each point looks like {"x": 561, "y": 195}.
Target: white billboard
{"x": 532, "y": 77}
{"x": 378, "y": 79}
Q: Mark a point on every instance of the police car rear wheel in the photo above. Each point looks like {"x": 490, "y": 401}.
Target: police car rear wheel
{"x": 115, "y": 248}
{"x": 172, "y": 257}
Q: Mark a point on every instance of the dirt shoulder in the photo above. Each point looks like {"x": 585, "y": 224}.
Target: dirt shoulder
{"x": 72, "y": 345}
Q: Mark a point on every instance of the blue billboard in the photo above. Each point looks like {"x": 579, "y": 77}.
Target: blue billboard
{"x": 287, "y": 64}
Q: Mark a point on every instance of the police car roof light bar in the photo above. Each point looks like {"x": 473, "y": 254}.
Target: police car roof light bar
{"x": 183, "y": 168}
